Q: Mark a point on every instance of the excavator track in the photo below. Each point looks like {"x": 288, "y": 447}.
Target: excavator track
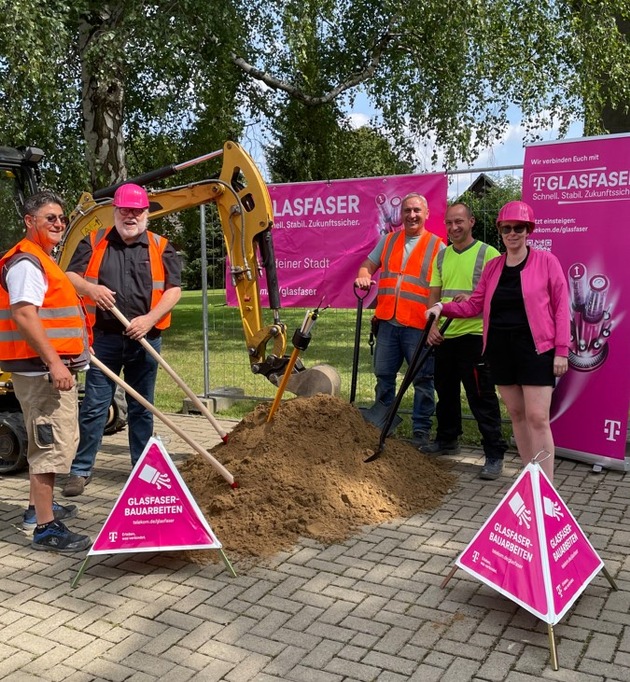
{"x": 13, "y": 442}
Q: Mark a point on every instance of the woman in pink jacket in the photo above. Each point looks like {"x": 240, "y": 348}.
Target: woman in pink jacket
{"x": 524, "y": 298}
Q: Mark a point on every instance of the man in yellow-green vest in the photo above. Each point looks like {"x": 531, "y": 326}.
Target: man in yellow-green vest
{"x": 458, "y": 359}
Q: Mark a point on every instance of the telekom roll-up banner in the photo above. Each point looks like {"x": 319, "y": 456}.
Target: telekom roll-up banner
{"x": 324, "y": 230}
{"x": 580, "y": 192}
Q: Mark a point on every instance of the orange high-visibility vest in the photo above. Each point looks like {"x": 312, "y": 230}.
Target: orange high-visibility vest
{"x": 157, "y": 245}
{"x": 61, "y": 313}
{"x": 403, "y": 293}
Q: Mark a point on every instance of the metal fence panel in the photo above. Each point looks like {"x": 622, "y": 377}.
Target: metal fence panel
{"x": 334, "y": 334}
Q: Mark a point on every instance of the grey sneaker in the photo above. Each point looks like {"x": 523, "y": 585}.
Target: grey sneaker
{"x": 441, "y": 447}
{"x": 492, "y": 469}
{"x": 75, "y": 485}
{"x": 420, "y": 439}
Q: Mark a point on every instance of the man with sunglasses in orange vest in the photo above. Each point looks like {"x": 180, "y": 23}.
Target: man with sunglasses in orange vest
{"x": 405, "y": 258}
{"x": 139, "y": 272}
{"x": 44, "y": 342}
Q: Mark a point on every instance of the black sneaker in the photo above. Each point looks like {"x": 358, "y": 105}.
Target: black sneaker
{"x": 61, "y": 512}
{"x": 57, "y": 538}
{"x": 441, "y": 447}
{"x": 492, "y": 469}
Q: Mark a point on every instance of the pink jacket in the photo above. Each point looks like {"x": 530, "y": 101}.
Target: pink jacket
{"x": 546, "y": 297}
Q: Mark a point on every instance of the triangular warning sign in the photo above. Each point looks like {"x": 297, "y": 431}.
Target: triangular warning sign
{"x": 155, "y": 510}
{"x": 572, "y": 560}
{"x": 532, "y": 550}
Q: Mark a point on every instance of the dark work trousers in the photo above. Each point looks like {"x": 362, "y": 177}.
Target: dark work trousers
{"x": 458, "y": 360}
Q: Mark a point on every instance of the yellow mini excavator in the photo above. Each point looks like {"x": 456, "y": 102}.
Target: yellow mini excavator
{"x": 245, "y": 211}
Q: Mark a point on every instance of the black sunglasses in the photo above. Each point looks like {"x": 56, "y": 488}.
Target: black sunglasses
{"x": 52, "y": 219}
{"x": 506, "y": 229}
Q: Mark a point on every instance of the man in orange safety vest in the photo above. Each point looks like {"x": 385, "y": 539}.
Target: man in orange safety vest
{"x": 405, "y": 259}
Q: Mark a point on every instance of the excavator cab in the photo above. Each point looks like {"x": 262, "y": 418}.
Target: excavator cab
{"x": 19, "y": 178}
{"x": 21, "y": 166}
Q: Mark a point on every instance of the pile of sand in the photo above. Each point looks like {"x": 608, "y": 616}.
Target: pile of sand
{"x": 304, "y": 474}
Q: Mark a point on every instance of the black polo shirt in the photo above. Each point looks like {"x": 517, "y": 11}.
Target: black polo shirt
{"x": 127, "y": 271}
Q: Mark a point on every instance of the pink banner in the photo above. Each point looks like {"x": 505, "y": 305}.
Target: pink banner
{"x": 580, "y": 189}
{"x": 324, "y": 230}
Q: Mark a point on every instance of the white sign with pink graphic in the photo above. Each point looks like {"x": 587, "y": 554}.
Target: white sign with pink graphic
{"x": 154, "y": 511}
{"x": 323, "y": 231}
{"x": 532, "y": 550}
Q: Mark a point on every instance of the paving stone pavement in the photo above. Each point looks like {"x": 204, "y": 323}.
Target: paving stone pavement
{"x": 369, "y": 609}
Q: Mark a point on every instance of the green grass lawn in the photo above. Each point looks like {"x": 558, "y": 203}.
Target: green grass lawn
{"x": 228, "y": 362}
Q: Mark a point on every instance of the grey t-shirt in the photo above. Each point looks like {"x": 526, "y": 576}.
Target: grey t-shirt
{"x": 376, "y": 253}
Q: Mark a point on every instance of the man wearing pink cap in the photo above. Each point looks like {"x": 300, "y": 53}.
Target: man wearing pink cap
{"x": 139, "y": 272}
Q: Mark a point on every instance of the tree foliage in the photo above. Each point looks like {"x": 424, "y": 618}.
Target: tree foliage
{"x": 85, "y": 79}
{"x": 114, "y": 88}
{"x": 365, "y": 152}
{"x": 610, "y": 112}
{"x": 91, "y": 82}
{"x": 485, "y": 207}
{"x": 317, "y": 142}
{"x": 449, "y": 71}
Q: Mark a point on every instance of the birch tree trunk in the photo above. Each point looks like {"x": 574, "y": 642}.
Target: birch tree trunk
{"x": 102, "y": 94}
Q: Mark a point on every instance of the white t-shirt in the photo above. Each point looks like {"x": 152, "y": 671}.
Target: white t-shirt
{"x": 26, "y": 283}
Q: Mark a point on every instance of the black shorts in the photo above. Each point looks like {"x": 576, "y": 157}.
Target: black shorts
{"x": 513, "y": 359}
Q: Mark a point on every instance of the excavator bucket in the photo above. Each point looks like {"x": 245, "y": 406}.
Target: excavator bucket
{"x": 317, "y": 379}
{"x": 305, "y": 382}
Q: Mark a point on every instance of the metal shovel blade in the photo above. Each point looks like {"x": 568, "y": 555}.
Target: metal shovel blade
{"x": 377, "y": 453}
{"x": 377, "y": 415}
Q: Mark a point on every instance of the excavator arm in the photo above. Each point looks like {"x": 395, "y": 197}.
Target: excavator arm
{"x": 246, "y": 216}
